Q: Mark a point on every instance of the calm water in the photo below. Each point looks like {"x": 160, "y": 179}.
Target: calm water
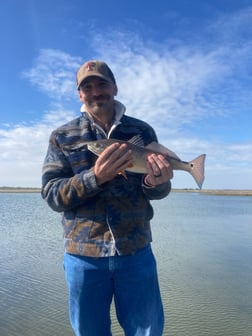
{"x": 203, "y": 246}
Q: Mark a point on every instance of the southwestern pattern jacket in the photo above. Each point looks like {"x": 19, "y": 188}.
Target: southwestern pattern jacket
{"x": 98, "y": 221}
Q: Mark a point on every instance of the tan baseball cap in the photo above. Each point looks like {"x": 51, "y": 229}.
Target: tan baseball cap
{"x": 94, "y": 68}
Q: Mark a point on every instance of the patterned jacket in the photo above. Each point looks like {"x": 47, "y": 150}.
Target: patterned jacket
{"x": 98, "y": 221}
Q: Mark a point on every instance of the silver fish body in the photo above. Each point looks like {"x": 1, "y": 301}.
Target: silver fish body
{"x": 140, "y": 153}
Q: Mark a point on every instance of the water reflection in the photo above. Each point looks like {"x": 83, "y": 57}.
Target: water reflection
{"x": 203, "y": 246}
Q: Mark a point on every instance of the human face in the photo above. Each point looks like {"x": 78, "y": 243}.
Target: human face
{"x": 98, "y": 96}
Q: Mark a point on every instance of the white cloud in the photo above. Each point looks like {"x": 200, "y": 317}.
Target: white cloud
{"x": 179, "y": 84}
{"x": 168, "y": 86}
{"x": 23, "y": 148}
{"x": 54, "y": 73}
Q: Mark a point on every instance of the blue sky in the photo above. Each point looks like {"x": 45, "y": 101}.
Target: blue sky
{"x": 183, "y": 66}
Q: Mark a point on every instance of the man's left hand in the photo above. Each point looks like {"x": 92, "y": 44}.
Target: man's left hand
{"x": 158, "y": 170}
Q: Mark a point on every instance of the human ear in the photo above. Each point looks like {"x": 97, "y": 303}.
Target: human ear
{"x": 80, "y": 95}
{"x": 115, "y": 90}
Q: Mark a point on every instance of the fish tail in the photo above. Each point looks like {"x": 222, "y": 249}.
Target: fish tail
{"x": 197, "y": 168}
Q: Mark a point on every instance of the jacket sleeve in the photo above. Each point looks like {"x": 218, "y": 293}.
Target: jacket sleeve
{"x": 61, "y": 188}
{"x": 158, "y": 192}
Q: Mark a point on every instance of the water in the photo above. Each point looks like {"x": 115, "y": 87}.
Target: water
{"x": 203, "y": 246}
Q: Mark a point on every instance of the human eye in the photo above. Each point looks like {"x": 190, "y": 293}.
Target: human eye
{"x": 103, "y": 84}
{"x": 86, "y": 87}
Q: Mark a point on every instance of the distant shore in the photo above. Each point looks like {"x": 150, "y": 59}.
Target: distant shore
{"x": 226, "y": 192}
{"x": 221, "y": 192}
{"x": 19, "y": 190}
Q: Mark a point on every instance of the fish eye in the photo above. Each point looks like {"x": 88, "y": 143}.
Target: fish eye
{"x": 98, "y": 145}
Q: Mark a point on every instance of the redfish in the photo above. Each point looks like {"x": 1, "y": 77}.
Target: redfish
{"x": 140, "y": 154}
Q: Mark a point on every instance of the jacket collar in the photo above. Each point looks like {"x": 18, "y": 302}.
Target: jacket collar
{"x": 119, "y": 112}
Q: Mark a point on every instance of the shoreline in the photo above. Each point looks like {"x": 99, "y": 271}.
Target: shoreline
{"x": 17, "y": 190}
{"x": 221, "y": 192}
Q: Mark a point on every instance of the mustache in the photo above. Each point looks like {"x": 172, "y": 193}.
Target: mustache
{"x": 97, "y": 98}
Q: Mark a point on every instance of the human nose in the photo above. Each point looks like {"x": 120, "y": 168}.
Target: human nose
{"x": 95, "y": 90}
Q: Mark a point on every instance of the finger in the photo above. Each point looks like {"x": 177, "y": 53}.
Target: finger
{"x": 113, "y": 160}
{"x": 166, "y": 170}
{"x": 159, "y": 169}
{"x": 122, "y": 153}
{"x": 155, "y": 165}
{"x": 120, "y": 158}
{"x": 108, "y": 151}
{"x": 162, "y": 162}
{"x": 123, "y": 162}
{"x": 111, "y": 154}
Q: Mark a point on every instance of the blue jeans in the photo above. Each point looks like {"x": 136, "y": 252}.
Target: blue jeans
{"x": 132, "y": 282}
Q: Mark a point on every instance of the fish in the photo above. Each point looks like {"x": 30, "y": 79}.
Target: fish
{"x": 140, "y": 153}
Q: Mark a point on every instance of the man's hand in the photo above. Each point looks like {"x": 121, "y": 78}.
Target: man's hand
{"x": 158, "y": 170}
{"x": 112, "y": 161}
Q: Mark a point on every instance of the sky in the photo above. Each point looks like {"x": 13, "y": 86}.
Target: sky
{"x": 183, "y": 66}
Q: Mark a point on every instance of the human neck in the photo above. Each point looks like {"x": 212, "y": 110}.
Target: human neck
{"x": 104, "y": 120}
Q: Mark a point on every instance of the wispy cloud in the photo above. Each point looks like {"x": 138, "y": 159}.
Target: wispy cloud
{"x": 182, "y": 81}
{"x": 170, "y": 85}
{"x": 53, "y": 73}
{"x": 23, "y": 148}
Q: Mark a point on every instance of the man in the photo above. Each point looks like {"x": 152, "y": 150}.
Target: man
{"x": 106, "y": 217}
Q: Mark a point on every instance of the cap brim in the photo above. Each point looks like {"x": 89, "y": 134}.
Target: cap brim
{"x": 94, "y": 74}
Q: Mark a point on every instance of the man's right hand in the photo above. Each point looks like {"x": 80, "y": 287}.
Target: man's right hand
{"x": 113, "y": 160}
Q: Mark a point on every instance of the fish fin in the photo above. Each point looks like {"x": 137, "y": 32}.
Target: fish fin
{"x": 137, "y": 140}
{"x": 197, "y": 168}
{"x": 156, "y": 147}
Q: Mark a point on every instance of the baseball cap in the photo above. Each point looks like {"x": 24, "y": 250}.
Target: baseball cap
{"x": 94, "y": 68}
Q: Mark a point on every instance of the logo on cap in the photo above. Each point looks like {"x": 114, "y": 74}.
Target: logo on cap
{"x": 91, "y": 66}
